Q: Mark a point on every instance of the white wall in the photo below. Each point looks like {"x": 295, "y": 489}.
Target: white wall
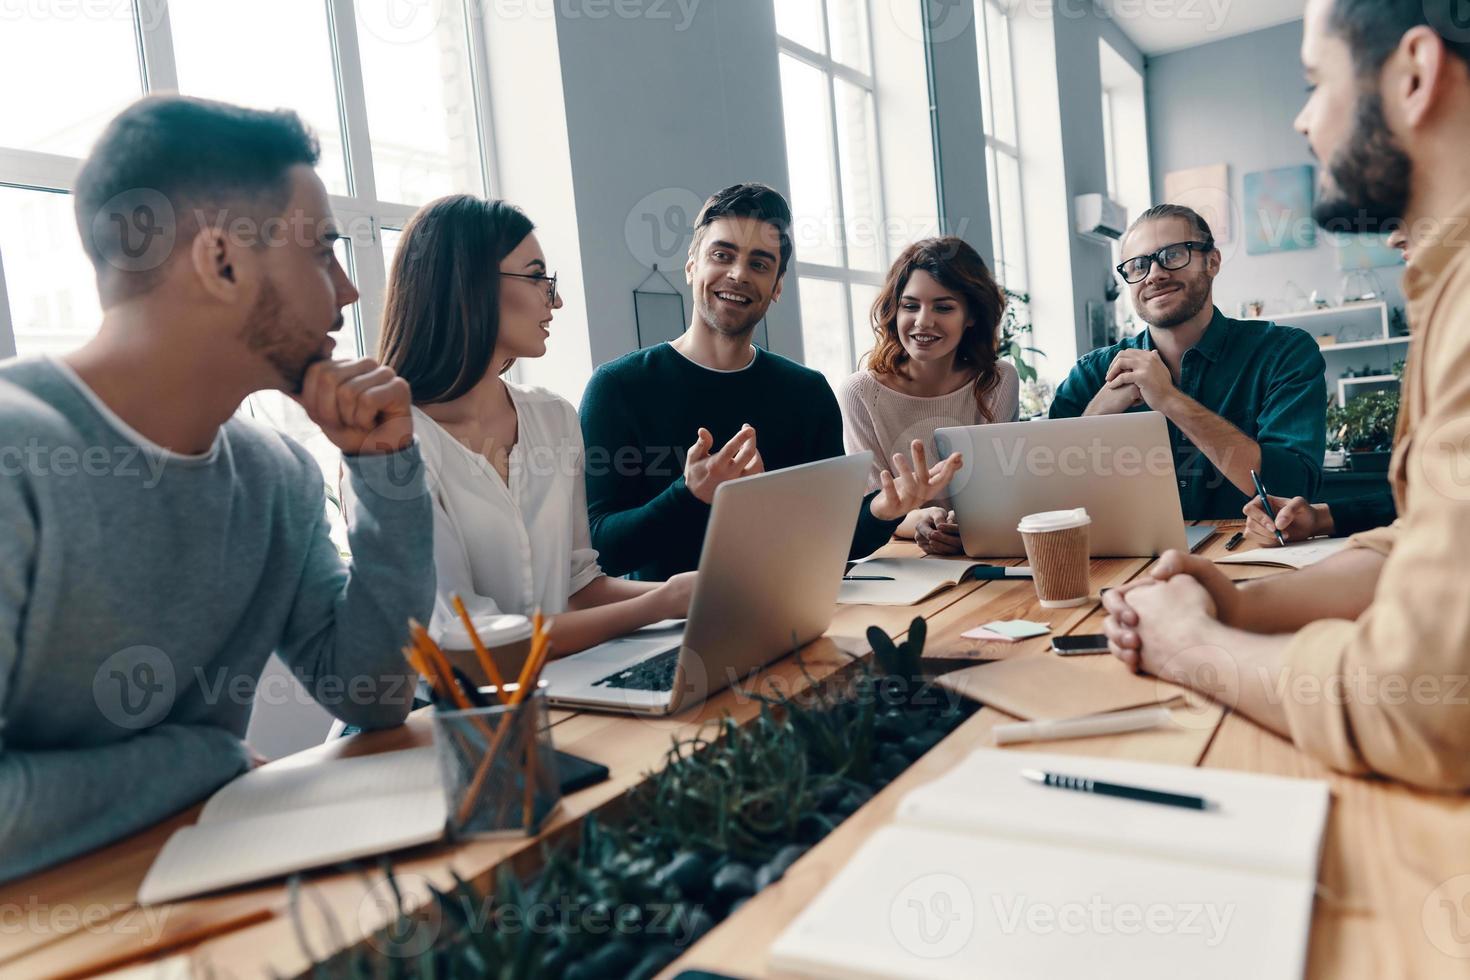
{"x": 1059, "y": 96}
{"x": 662, "y": 112}
{"x": 1233, "y": 102}
{"x": 532, "y": 165}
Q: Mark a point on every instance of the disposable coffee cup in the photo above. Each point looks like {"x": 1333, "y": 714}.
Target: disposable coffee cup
{"x": 508, "y": 638}
{"x": 1057, "y": 548}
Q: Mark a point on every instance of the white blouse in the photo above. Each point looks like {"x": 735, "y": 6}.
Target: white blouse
{"x": 509, "y": 547}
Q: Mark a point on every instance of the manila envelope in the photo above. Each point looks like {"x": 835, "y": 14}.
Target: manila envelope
{"x": 1049, "y": 686}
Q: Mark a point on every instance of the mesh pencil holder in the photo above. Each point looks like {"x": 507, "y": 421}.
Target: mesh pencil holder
{"x": 498, "y": 767}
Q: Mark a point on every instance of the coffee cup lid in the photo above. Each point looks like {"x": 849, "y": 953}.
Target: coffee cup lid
{"x": 495, "y": 631}
{"x": 1054, "y": 520}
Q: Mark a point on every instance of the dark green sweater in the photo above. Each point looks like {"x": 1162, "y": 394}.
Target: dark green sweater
{"x": 640, "y": 415}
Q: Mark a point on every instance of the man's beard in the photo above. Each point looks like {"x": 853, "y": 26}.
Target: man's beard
{"x": 289, "y": 347}
{"x": 1368, "y": 186}
{"x": 1196, "y": 295}
{"x": 744, "y": 329}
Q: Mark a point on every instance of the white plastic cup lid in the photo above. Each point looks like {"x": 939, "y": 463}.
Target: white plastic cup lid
{"x": 495, "y": 631}
{"x": 1054, "y": 520}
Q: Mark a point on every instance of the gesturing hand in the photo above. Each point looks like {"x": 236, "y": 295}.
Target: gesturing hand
{"x": 703, "y": 473}
{"x": 363, "y": 408}
{"x": 1145, "y": 370}
{"x": 910, "y": 486}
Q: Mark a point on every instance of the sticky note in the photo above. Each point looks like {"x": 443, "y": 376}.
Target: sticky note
{"x": 1018, "y": 629}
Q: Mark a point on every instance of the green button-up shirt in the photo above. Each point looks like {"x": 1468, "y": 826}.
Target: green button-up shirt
{"x": 1267, "y": 380}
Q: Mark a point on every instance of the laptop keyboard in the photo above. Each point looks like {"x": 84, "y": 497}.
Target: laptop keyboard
{"x": 654, "y": 674}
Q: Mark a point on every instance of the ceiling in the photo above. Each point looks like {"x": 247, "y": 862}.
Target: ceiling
{"x": 1161, "y": 26}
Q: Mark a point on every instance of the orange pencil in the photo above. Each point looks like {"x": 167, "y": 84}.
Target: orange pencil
{"x": 487, "y": 663}
{"x": 440, "y": 663}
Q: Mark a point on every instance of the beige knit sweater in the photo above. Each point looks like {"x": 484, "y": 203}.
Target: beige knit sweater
{"x": 883, "y": 421}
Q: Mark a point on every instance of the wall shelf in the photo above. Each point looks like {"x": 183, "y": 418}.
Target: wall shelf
{"x": 1361, "y": 344}
{"x": 1363, "y": 384}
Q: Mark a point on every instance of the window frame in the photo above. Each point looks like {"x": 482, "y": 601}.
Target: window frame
{"x": 361, "y": 213}
{"x": 832, "y": 70}
{"x": 994, "y": 18}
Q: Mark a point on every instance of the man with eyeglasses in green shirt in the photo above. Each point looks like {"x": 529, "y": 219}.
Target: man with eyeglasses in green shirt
{"x": 1239, "y": 395}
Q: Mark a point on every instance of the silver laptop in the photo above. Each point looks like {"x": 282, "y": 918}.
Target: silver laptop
{"x": 1119, "y": 467}
{"x": 773, "y": 560}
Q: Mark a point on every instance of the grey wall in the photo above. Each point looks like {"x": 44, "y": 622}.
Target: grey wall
{"x": 954, "y": 70}
{"x": 660, "y": 114}
{"x": 1079, "y": 81}
{"x": 1234, "y": 102}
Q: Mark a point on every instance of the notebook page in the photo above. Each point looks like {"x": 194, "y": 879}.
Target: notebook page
{"x": 357, "y": 780}
{"x": 1265, "y": 824}
{"x": 1298, "y": 554}
{"x": 913, "y": 580}
{"x": 932, "y": 905}
{"x": 207, "y": 857}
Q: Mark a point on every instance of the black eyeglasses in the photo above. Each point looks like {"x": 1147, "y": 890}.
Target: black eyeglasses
{"x": 1171, "y": 257}
{"x": 549, "y": 280}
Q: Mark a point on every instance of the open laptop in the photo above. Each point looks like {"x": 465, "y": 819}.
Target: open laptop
{"x": 1119, "y": 467}
{"x": 773, "y": 560}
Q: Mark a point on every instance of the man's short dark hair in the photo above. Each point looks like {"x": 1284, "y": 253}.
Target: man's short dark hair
{"x": 167, "y": 161}
{"x": 751, "y": 200}
{"x": 1374, "y": 28}
{"x": 1158, "y": 211}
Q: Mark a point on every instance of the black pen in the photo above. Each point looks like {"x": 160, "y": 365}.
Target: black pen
{"x": 1266, "y": 503}
{"x": 867, "y": 578}
{"x": 1081, "y": 784}
{"x": 1235, "y": 541}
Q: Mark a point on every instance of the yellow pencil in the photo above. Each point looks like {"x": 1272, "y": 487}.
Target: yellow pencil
{"x": 487, "y": 663}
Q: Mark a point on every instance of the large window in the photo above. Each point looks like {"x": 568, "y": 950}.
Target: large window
{"x": 393, "y": 100}
{"x": 827, "y": 90}
{"x": 1002, "y": 147}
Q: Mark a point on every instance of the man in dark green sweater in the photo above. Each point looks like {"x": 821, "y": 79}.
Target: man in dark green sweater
{"x": 648, "y": 490}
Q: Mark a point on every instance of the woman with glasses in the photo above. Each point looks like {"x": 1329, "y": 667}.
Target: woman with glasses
{"x": 936, "y": 324}
{"x": 468, "y": 295}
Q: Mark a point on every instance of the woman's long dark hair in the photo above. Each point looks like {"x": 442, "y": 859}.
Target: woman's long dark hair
{"x": 959, "y": 268}
{"x": 441, "y": 318}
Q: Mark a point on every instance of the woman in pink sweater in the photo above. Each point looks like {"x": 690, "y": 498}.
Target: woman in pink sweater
{"x": 936, "y": 324}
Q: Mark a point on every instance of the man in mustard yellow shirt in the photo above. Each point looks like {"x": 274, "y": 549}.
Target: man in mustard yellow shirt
{"x": 1363, "y": 660}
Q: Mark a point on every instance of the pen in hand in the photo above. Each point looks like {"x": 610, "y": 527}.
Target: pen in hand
{"x": 1266, "y": 503}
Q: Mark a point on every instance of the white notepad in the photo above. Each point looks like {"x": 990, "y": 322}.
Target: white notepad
{"x": 914, "y": 580}
{"x": 1298, "y": 554}
{"x": 986, "y": 874}
{"x": 273, "y": 821}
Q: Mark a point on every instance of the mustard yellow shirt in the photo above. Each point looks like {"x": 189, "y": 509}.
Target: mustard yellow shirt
{"x": 1390, "y": 692}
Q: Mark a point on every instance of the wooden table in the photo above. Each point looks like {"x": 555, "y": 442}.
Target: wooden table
{"x": 1392, "y": 895}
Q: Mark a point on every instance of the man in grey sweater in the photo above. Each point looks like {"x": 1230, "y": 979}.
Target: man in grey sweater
{"x": 155, "y": 548}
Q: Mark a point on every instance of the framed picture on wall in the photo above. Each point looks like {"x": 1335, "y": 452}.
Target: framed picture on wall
{"x": 1206, "y": 190}
{"x": 1278, "y": 210}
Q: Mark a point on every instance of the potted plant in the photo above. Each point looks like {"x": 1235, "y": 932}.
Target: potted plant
{"x": 1014, "y": 325}
{"x": 1364, "y": 428}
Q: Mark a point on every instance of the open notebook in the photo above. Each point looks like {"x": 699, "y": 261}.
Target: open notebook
{"x": 277, "y": 820}
{"x": 986, "y": 874}
{"x": 1298, "y": 554}
{"x": 914, "y": 579}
